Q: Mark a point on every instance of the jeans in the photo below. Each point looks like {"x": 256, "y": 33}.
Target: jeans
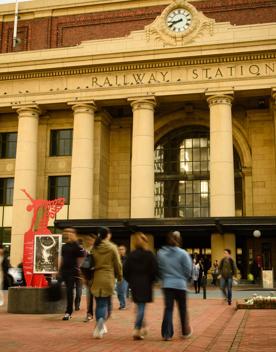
{"x": 78, "y": 284}
{"x": 122, "y": 288}
{"x": 102, "y": 304}
{"x": 139, "y": 322}
{"x": 171, "y": 295}
{"x": 71, "y": 282}
{"x": 226, "y": 287}
{"x": 89, "y": 300}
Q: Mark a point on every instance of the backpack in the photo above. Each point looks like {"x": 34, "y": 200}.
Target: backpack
{"x": 87, "y": 267}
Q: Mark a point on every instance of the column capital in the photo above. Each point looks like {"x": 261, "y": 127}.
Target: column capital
{"x": 83, "y": 106}
{"x": 146, "y": 102}
{"x": 219, "y": 98}
{"x": 32, "y": 110}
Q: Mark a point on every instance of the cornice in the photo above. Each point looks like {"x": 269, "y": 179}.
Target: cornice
{"x": 160, "y": 64}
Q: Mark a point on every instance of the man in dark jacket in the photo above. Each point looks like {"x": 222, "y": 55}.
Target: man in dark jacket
{"x": 227, "y": 269}
{"x": 72, "y": 255}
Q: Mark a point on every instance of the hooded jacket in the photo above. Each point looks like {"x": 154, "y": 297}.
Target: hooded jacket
{"x": 107, "y": 267}
{"x": 175, "y": 267}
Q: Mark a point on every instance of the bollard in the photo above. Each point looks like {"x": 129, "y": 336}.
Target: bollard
{"x": 204, "y": 284}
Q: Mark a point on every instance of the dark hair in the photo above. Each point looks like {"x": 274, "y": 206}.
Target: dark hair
{"x": 173, "y": 238}
{"x": 70, "y": 228}
{"x": 140, "y": 240}
{"x": 92, "y": 235}
{"x": 227, "y": 250}
{"x": 103, "y": 232}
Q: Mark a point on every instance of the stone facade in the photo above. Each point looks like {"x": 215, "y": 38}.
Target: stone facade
{"x": 115, "y": 73}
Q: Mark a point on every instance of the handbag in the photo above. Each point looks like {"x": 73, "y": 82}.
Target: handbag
{"x": 87, "y": 267}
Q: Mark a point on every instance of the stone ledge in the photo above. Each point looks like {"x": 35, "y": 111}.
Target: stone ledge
{"x": 266, "y": 304}
{"x": 30, "y": 300}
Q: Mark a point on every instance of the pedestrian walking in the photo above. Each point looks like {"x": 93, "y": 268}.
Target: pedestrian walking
{"x": 122, "y": 287}
{"x": 215, "y": 273}
{"x": 227, "y": 270}
{"x": 72, "y": 255}
{"x": 1, "y": 275}
{"x": 195, "y": 275}
{"x": 87, "y": 270}
{"x": 175, "y": 270}
{"x": 107, "y": 267}
{"x": 140, "y": 271}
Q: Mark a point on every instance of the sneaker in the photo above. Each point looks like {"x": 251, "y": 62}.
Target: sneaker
{"x": 99, "y": 330}
{"x": 122, "y": 308}
{"x": 105, "y": 329}
{"x": 67, "y": 316}
{"x": 167, "y": 338}
{"x": 88, "y": 318}
{"x": 137, "y": 335}
{"x": 144, "y": 332}
{"x": 229, "y": 303}
{"x": 187, "y": 336}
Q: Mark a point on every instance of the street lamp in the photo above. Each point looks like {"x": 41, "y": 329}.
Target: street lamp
{"x": 257, "y": 233}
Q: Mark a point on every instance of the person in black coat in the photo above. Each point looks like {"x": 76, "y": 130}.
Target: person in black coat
{"x": 140, "y": 271}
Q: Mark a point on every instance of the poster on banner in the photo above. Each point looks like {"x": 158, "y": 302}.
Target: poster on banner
{"x": 47, "y": 250}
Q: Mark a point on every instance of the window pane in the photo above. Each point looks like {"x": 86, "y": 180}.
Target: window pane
{"x": 61, "y": 142}
{"x": 196, "y": 166}
{"x": 9, "y": 191}
{"x": 188, "y": 143}
{"x": 59, "y": 187}
{"x": 204, "y": 154}
{"x": 196, "y": 154}
{"x": 8, "y": 143}
{"x": 196, "y": 186}
{"x": 6, "y": 191}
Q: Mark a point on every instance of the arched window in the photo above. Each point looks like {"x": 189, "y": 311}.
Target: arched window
{"x": 182, "y": 174}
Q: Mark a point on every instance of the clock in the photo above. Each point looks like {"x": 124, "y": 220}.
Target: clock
{"x": 179, "y": 20}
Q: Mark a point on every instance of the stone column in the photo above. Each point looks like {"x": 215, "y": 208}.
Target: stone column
{"x": 24, "y": 178}
{"x": 274, "y": 113}
{"x": 81, "y": 188}
{"x": 142, "y": 165}
{"x": 222, "y": 191}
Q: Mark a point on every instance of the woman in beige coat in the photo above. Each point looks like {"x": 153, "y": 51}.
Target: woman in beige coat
{"x": 107, "y": 267}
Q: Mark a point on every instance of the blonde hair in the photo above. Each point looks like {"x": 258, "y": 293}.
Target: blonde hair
{"x": 140, "y": 241}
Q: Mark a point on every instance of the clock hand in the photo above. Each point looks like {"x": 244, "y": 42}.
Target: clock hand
{"x": 175, "y": 22}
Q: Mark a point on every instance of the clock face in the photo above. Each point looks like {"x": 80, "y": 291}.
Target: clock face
{"x": 179, "y": 20}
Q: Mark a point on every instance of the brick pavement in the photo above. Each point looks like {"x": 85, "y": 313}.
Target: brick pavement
{"x": 217, "y": 328}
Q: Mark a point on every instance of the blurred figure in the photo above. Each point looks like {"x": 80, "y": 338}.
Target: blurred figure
{"x": 175, "y": 269}
{"x": 1, "y": 275}
{"x": 140, "y": 271}
{"x": 87, "y": 270}
{"x": 107, "y": 267}
{"x": 227, "y": 269}
{"x": 72, "y": 255}
{"x": 215, "y": 272}
{"x": 195, "y": 275}
{"x": 122, "y": 287}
